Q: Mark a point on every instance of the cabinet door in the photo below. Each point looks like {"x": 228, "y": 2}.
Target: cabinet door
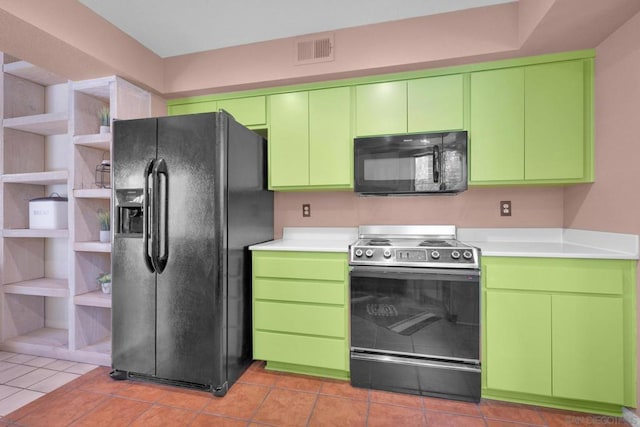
{"x": 250, "y": 111}
{"x": 588, "y": 348}
{"x": 330, "y": 140}
{"x": 518, "y": 342}
{"x": 289, "y": 139}
{"x": 435, "y": 104}
{"x": 193, "y": 108}
{"x": 554, "y": 117}
{"x": 381, "y": 108}
{"x": 496, "y": 142}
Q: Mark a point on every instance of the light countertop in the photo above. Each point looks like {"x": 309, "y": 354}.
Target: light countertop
{"x": 551, "y": 243}
{"x": 516, "y": 242}
{"x": 311, "y": 239}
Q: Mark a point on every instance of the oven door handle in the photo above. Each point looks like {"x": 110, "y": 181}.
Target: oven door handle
{"x": 415, "y": 362}
{"x": 408, "y": 273}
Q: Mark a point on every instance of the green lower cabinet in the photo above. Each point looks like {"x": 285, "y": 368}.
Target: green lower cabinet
{"x": 515, "y": 360}
{"x": 300, "y": 313}
{"x": 587, "y": 340}
{"x": 560, "y": 332}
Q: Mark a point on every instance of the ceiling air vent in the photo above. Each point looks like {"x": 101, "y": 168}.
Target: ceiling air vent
{"x": 315, "y": 48}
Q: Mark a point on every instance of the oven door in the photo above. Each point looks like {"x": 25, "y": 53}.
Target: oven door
{"x": 394, "y": 164}
{"x": 416, "y": 312}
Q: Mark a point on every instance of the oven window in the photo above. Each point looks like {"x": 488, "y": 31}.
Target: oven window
{"x": 436, "y": 318}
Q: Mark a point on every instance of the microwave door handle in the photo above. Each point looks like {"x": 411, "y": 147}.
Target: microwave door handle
{"x": 436, "y": 164}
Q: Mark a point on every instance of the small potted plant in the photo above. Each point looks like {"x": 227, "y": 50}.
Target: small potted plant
{"x": 103, "y": 114}
{"x": 104, "y": 279}
{"x": 104, "y": 219}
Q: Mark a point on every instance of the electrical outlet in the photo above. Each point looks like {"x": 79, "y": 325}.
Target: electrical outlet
{"x": 306, "y": 210}
{"x": 505, "y": 208}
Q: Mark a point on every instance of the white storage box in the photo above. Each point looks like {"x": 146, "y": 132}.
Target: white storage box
{"x": 48, "y": 213}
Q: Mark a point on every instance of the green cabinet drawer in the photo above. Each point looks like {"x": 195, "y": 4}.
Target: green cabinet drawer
{"x": 329, "y": 353}
{"x": 310, "y": 291}
{"x": 300, "y": 319}
{"x": 553, "y": 274}
{"x": 250, "y": 111}
{"x": 300, "y": 265}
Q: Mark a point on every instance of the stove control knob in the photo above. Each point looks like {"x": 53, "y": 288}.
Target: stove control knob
{"x": 455, "y": 255}
{"x": 358, "y": 252}
{"x": 467, "y": 254}
{"x": 369, "y": 253}
{"x": 387, "y": 253}
{"x": 435, "y": 254}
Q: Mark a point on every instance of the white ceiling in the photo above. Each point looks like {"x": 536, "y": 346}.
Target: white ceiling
{"x": 173, "y": 27}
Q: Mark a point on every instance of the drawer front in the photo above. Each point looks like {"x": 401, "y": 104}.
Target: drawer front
{"x": 561, "y": 275}
{"x": 303, "y": 265}
{"x": 300, "y": 319}
{"x": 311, "y": 291}
{"x": 300, "y": 350}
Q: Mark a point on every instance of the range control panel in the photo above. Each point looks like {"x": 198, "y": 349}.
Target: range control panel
{"x": 419, "y": 257}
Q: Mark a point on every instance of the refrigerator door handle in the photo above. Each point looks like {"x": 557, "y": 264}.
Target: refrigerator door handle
{"x": 147, "y": 219}
{"x": 160, "y": 236}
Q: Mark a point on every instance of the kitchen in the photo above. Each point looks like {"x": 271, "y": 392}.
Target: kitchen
{"x": 601, "y": 206}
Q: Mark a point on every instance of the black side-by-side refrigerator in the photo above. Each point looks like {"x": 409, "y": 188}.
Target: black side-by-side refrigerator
{"x": 190, "y": 195}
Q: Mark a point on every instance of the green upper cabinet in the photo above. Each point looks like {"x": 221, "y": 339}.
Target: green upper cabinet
{"x": 532, "y": 124}
{"x": 193, "y": 108}
{"x": 251, "y": 111}
{"x": 381, "y": 108}
{"x": 496, "y": 140}
{"x": 430, "y": 104}
{"x": 330, "y": 140}
{"x": 310, "y": 140}
{"x": 289, "y": 140}
{"x": 554, "y": 116}
{"x": 435, "y": 103}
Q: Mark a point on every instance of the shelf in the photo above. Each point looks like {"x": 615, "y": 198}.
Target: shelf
{"x": 42, "y": 124}
{"x": 93, "y": 299}
{"x": 98, "y": 88}
{"x": 35, "y": 233}
{"x": 101, "y": 141}
{"x": 103, "y": 347}
{"x": 37, "y": 178}
{"x": 92, "y": 193}
{"x": 28, "y": 71}
{"x": 95, "y": 246}
{"x": 44, "y": 287}
{"x": 43, "y": 337}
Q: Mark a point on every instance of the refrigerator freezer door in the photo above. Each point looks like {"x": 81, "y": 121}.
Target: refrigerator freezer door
{"x": 133, "y": 285}
{"x": 189, "y": 310}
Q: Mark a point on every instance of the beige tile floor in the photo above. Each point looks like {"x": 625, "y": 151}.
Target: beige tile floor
{"x": 24, "y": 378}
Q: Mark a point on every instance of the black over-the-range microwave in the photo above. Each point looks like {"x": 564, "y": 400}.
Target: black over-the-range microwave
{"x": 406, "y": 164}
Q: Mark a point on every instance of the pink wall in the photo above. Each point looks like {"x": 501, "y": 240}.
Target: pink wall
{"x": 478, "y": 207}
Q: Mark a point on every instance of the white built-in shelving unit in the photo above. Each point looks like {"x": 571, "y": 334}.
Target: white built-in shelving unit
{"x": 50, "y": 302}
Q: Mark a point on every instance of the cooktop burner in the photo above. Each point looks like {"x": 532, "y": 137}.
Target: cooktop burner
{"x": 412, "y": 246}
